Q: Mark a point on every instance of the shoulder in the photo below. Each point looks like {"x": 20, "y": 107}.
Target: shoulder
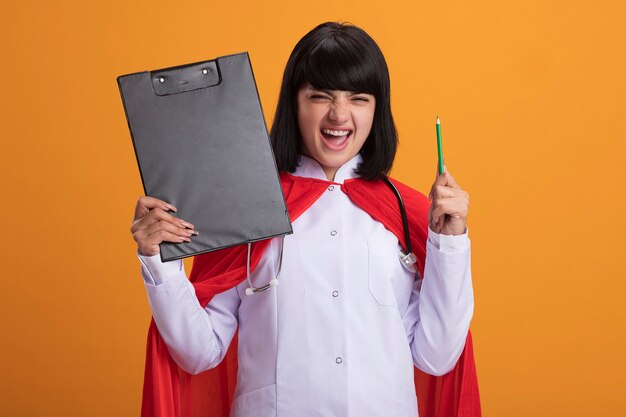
{"x": 379, "y": 193}
{"x": 411, "y": 196}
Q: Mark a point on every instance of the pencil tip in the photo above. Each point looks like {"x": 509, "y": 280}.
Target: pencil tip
{"x": 437, "y": 119}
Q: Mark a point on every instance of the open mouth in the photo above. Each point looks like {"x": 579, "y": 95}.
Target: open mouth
{"x": 335, "y": 140}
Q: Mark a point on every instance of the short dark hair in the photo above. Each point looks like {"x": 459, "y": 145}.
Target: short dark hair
{"x": 336, "y": 56}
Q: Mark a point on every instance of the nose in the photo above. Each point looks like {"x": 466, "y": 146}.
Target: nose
{"x": 339, "y": 111}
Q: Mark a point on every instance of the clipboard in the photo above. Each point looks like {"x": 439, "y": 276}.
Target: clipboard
{"x": 202, "y": 144}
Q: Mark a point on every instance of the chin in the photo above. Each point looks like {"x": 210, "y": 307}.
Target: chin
{"x": 335, "y": 160}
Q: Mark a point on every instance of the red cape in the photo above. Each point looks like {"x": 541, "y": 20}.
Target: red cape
{"x": 169, "y": 391}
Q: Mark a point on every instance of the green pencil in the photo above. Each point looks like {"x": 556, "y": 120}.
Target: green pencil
{"x": 439, "y": 147}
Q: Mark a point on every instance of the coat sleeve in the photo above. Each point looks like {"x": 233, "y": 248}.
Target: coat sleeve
{"x": 197, "y": 338}
{"x": 441, "y": 305}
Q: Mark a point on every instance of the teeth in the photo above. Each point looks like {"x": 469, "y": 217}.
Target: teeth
{"x": 336, "y": 132}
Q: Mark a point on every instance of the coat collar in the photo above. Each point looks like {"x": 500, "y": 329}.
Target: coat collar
{"x": 310, "y": 168}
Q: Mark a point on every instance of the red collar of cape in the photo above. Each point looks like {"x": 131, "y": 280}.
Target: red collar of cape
{"x": 171, "y": 392}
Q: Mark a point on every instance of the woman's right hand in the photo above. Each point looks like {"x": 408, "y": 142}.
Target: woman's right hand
{"x": 153, "y": 224}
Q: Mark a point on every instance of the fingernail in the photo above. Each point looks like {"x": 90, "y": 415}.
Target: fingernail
{"x": 195, "y": 232}
{"x": 171, "y": 207}
{"x": 188, "y": 225}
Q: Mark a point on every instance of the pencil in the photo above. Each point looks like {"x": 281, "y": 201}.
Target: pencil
{"x": 439, "y": 147}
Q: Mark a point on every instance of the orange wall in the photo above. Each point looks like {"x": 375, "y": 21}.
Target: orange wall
{"x": 532, "y": 98}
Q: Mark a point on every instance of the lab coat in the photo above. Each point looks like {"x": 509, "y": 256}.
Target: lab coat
{"x": 340, "y": 334}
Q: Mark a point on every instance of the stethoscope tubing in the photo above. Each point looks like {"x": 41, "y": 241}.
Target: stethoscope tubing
{"x": 405, "y": 220}
{"x": 407, "y": 257}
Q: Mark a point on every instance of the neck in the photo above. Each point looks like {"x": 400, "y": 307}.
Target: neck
{"x": 330, "y": 173}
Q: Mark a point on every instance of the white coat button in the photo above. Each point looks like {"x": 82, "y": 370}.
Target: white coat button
{"x": 338, "y": 360}
{"x": 333, "y": 233}
{"x": 335, "y": 293}
{"x": 332, "y": 187}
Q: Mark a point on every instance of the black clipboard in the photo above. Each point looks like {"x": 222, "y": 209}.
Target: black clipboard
{"x": 202, "y": 144}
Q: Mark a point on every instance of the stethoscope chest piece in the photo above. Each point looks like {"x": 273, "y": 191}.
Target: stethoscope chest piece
{"x": 408, "y": 261}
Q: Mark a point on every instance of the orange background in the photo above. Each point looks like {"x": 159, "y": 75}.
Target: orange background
{"x": 532, "y": 98}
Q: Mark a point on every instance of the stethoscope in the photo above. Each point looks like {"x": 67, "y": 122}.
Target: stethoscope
{"x": 407, "y": 258}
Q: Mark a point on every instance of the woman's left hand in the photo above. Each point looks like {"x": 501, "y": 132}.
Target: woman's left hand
{"x": 449, "y": 206}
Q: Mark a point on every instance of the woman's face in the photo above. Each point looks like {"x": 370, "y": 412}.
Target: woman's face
{"x": 334, "y": 125}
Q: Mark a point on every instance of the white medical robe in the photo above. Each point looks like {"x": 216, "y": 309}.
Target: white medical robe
{"x": 340, "y": 334}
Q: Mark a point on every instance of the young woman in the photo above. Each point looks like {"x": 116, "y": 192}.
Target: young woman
{"x": 341, "y": 334}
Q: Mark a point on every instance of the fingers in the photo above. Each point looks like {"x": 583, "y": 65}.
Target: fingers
{"x": 450, "y": 181}
{"x": 149, "y": 210}
{"x": 437, "y": 170}
{"x": 436, "y": 226}
{"x": 150, "y": 244}
{"x": 164, "y": 231}
{"x": 156, "y": 215}
{"x": 149, "y": 238}
{"x": 445, "y": 179}
{"x": 153, "y": 224}
{"x": 449, "y": 203}
{"x": 440, "y": 180}
{"x": 445, "y": 191}
{"x": 439, "y": 213}
{"x": 453, "y": 207}
{"x": 146, "y": 203}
